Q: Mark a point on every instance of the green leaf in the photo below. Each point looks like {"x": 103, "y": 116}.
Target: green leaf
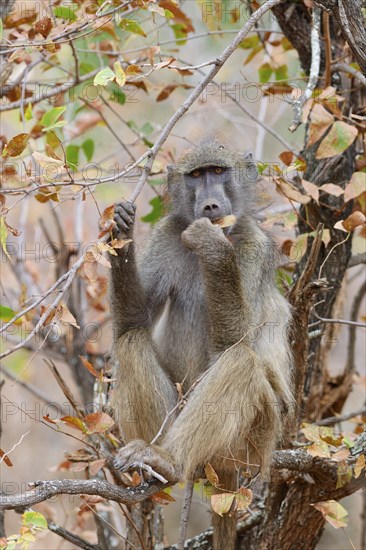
{"x": 264, "y": 72}
{"x": 169, "y": 14}
{"x": 49, "y": 119}
{"x": 281, "y": 72}
{"x": 120, "y": 74}
{"x": 147, "y": 129}
{"x": 180, "y": 33}
{"x": 131, "y": 26}
{"x": 116, "y": 93}
{"x": 1, "y": 29}
{"x": 104, "y": 77}
{"x": 3, "y": 235}
{"x": 65, "y": 12}
{"x": 28, "y": 115}
{"x": 157, "y": 211}
{"x": 88, "y": 148}
{"x": 72, "y": 155}
{"x": 34, "y": 519}
{"x": 6, "y": 313}
{"x": 249, "y": 42}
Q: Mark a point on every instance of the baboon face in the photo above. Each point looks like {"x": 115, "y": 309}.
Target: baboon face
{"x": 208, "y": 188}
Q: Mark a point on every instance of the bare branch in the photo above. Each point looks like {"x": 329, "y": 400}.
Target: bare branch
{"x": 188, "y": 493}
{"x": 314, "y": 71}
{"x": 341, "y": 418}
{"x": 43, "y": 490}
{"x": 67, "y": 535}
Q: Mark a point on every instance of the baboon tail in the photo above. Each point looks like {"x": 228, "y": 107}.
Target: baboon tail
{"x": 224, "y": 527}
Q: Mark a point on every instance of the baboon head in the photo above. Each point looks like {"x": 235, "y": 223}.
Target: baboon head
{"x": 212, "y": 180}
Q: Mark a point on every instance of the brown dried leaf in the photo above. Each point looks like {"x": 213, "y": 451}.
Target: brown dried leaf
{"x": 5, "y": 458}
{"x": 164, "y": 64}
{"x": 179, "y": 15}
{"x": 169, "y": 88}
{"x": 96, "y": 465}
{"x": 162, "y": 498}
{"x": 356, "y": 186}
{"x": 354, "y": 220}
{"x": 74, "y": 422}
{"x": 243, "y": 498}
{"x": 333, "y": 512}
{"x": 320, "y": 120}
{"x": 290, "y": 192}
{"x": 43, "y": 26}
{"x": 359, "y": 466}
{"x": 136, "y": 479}
{"x": 286, "y": 157}
{"x": 211, "y": 475}
{"x": 221, "y": 503}
{"x": 311, "y": 189}
{"x": 332, "y": 189}
{"x": 16, "y": 145}
{"x": 88, "y": 366}
{"x": 339, "y": 138}
{"x": 98, "y": 422}
{"x": 65, "y": 315}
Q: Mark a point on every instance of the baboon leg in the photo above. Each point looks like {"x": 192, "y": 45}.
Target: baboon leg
{"x": 144, "y": 394}
{"x": 235, "y": 402}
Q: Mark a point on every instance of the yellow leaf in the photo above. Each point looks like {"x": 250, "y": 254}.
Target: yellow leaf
{"x": 243, "y": 498}
{"x": 211, "y": 475}
{"x": 221, "y": 503}
{"x": 333, "y": 512}
{"x": 360, "y": 465}
{"x": 120, "y": 74}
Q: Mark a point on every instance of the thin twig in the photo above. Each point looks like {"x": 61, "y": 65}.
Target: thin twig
{"x": 188, "y": 493}
{"x": 64, "y": 387}
{"x": 67, "y": 535}
{"x": 314, "y": 71}
{"x": 350, "y": 366}
{"x": 344, "y": 68}
{"x": 341, "y": 418}
{"x": 7, "y": 453}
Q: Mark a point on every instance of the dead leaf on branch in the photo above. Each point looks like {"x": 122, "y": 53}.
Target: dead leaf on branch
{"x": 320, "y": 120}
{"x": 339, "y": 138}
{"x": 222, "y": 503}
{"x": 211, "y": 475}
{"x": 359, "y": 466}
{"x": 243, "y": 499}
{"x": 356, "y": 219}
{"x": 333, "y": 513}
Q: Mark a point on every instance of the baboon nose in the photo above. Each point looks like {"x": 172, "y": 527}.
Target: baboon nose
{"x": 212, "y": 211}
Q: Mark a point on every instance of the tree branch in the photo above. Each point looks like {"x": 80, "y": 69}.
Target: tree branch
{"x": 350, "y": 19}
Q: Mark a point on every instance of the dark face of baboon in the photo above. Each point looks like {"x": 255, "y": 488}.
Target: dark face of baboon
{"x": 212, "y": 181}
{"x": 208, "y": 186}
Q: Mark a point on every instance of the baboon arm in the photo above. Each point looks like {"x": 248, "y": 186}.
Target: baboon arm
{"x": 229, "y": 312}
{"x": 128, "y": 297}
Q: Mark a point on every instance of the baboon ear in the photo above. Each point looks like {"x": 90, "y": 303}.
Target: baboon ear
{"x": 251, "y": 171}
{"x": 170, "y": 173}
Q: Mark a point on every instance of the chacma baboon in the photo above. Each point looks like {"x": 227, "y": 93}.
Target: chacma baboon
{"x": 201, "y": 308}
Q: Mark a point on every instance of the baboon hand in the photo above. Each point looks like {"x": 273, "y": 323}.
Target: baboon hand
{"x": 124, "y": 216}
{"x": 151, "y": 459}
{"x": 201, "y": 234}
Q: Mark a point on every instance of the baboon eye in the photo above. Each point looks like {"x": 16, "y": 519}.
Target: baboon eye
{"x": 218, "y": 169}
{"x": 195, "y": 174}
